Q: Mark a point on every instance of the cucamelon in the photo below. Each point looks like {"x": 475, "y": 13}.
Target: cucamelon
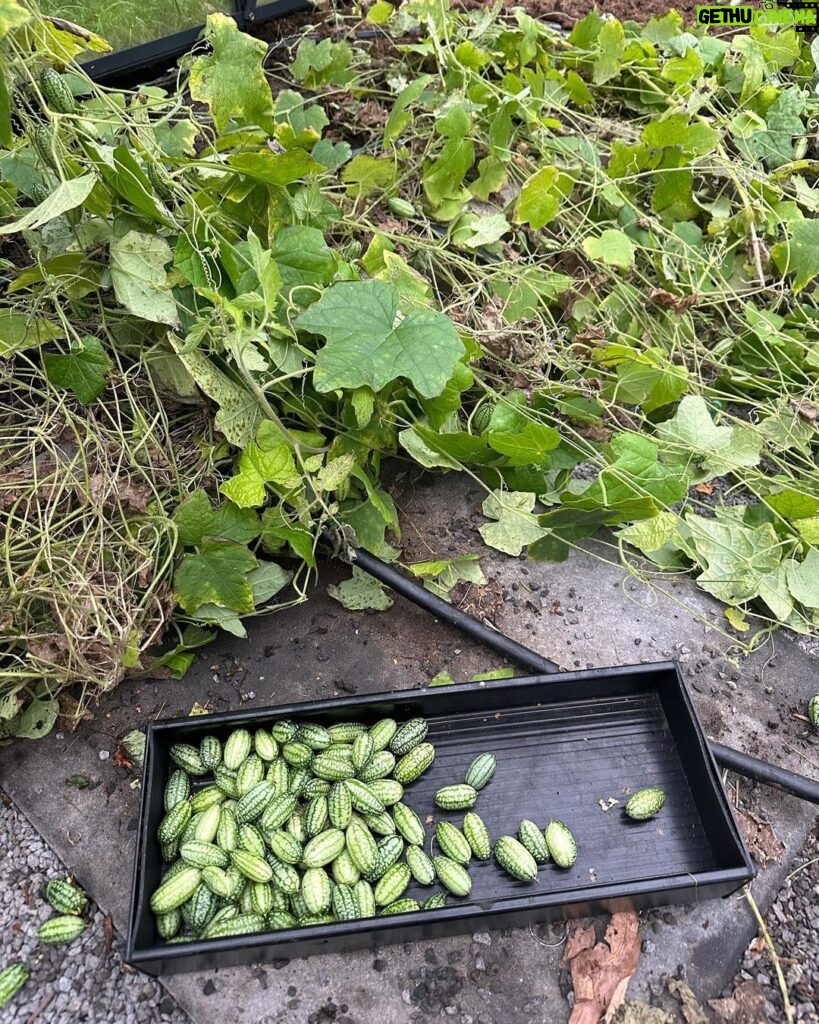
{"x": 561, "y": 843}
{"x": 645, "y": 803}
{"x": 515, "y": 859}
{"x": 456, "y": 798}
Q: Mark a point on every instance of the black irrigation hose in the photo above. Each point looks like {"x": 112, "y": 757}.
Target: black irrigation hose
{"x": 727, "y": 757}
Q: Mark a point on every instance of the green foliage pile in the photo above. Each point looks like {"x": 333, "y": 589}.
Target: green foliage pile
{"x": 581, "y": 270}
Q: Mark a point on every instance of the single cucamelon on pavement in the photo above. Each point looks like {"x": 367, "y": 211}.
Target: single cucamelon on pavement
{"x": 813, "y": 711}
{"x": 64, "y": 928}
{"x": 645, "y": 803}
{"x": 12, "y": 979}
{"x": 65, "y": 897}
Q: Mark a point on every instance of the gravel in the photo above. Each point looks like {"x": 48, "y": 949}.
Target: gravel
{"x": 76, "y": 983}
{"x": 793, "y": 923}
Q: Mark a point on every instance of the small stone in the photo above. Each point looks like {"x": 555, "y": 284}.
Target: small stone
{"x": 482, "y": 938}
{"x": 208, "y": 988}
{"x": 480, "y": 964}
{"x": 104, "y": 755}
{"x": 406, "y": 996}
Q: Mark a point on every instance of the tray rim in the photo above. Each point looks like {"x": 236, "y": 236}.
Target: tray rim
{"x": 383, "y": 926}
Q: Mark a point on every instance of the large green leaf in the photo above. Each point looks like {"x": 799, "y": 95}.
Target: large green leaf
{"x": 370, "y": 343}
{"x": 735, "y": 557}
{"x": 803, "y": 579}
{"x": 216, "y": 574}
{"x": 516, "y": 526}
{"x": 82, "y": 369}
{"x": 612, "y": 247}
{"x": 196, "y": 519}
{"x": 361, "y": 593}
{"x": 139, "y": 277}
{"x": 259, "y": 467}
{"x": 20, "y": 331}
{"x": 539, "y": 198}
{"x": 68, "y": 195}
{"x": 800, "y": 254}
{"x": 12, "y": 15}
{"x": 691, "y": 436}
{"x": 231, "y": 80}
{"x": 277, "y": 169}
{"x": 305, "y": 262}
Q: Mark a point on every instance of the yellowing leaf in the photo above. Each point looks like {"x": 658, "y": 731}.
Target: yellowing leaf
{"x": 231, "y": 80}
{"x": 257, "y": 468}
{"x": 539, "y": 198}
{"x": 68, "y": 195}
{"x": 737, "y": 620}
{"x": 612, "y": 247}
{"x": 19, "y": 331}
{"x": 12, "y": 15}
{"x": 139, "y": 277}
{"x": 516, "y": 526}
{"x": 216, "y": 574}
{"x": 361, "y": 593}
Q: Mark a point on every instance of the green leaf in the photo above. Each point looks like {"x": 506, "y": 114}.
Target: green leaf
{"x": 800, "y": 254}
{"x": 651, "y": 534}
{"x": 366, "y": 175}
{"x": 444, "y": 175}
{"x": 735, "y": 558}
{"x": 196, "y": 518}
{"x": 539, "y": 198}
{"x": 231, "y": 79}
{"x": 39, "y": 717}
{"x": 21, "y": 331}
{"x": 808, "y": 529}
{"x": 277, "y": 531}
{"x": 803, "y": 578}
{"x": 216, "y": 574}
{"x": 259, "y": 467}
{"x": 527, "y": 445}
{"x": 139, "y": 278}
{"x": 692, "y": 436}
{"x": 611, "y": 43}
{"x": 239, "y": 415}
{"x": 82, "y": 369}
{"x": 12, "y": 15}
{"x": 369, "y": 344}
{"x": 331, "y": 155}
{"x": 516, "y": 526}
{"x": 685, "y": 69}
{"x": 442, "y": 678}
{"x": 322, "y": 63}
{"x": 441, "y": 575}
{"x": 361, "y": 593}
{"x": 68, "y": 195}
{"x": 267, "y": 581}
{"x": 176, "y": 139}
{"x": 277, "y": 169}
{"x": 473, "y": 232}
{"x": 399, "y": 117}
{"x": 6, "y": 133}
{"x": 612, "y": 247}
{"x": 793, "y": 504}
{"x": 492, "y": 673}
{"x": 304, "y": 261}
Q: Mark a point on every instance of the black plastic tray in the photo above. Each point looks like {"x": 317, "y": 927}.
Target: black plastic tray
{"x": 563, "y": 743}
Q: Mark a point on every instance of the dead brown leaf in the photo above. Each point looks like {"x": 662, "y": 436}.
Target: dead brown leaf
{"x": 641, "y": 1013}
{"x": 760, "y": 837}
{"x": 578, "y": 939}
{"x": 600, "y": 973}
{"x": 679, "y": 303}
{"x": 692, "y": 1014}
{"x": 71, "y": 713}
{"x": 745, "y": 1006}
{"x": 704, "y": 488}
{"x": 806, "y": 410}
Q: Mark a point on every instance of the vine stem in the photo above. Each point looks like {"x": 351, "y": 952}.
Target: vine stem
{"x": 766, "y": 935}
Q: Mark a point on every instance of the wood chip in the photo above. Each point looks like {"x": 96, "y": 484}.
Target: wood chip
{"x": 108, "y": 934}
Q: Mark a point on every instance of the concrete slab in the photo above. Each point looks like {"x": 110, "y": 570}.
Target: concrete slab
{"x": 585, "y": 612}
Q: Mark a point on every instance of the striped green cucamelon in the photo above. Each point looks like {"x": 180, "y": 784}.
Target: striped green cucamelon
{"x": 645, "y": 803}
{"x": 436, "y": 900}
{"x": 210, "y": 752}
{"x": 250, "y": 772}
{"x": 453, "y": 842}
{"x": 261, "y": 898}
{"x": 420, "y": 865}
{"x": 246, "y": 898}
{"x": 315, "y": 816}
{"x": 207, "y": 824}
{"x": 295, "y": 825}
{"x": 401, "y": 207}
{"x": 241, "y": 924}
{"x": 363, "y": 799}
{"x": 331, "y": 766}
{"x": 316, "y": 737}
{"x": 174, "y": 823}
{"x": 316, "y": 890}
{"x": 218, "y": 881}
{"x": 339, "y": 805}
{"x": 207, "y": 797}
{"x": 406, "y": 905}
{"x": 285, "y": 846}
{"x": 227, "y": 832}
{"x": 189, "y": 832}
{"x": 361, "y": 846}
{"x": 280, "y": 901}
{"x": 456, "y": 798}
{"x": 187, "y": 757}
{"x": 169, "y": 851}
{"x": 65, "y": 897}
{"x": 392, "y": 885}
{"x": 225, "y": 779}
{"x": 46, "y": 143}
{"x": 534, "y": 841}
{"x": 561, "y": 843}
{"x": 813, "y": 711}
{"x": 56, "y": 91}
{"x": 280, "y": 919}
{"x": 277, "y": 812}
{"x": 177, "y": 788}
{"x": 201, "y": 908}
{"x": 344, "y": 870}
{"x": 297, "y": 754}
{"x": 236, "y": 748}
{"x": 278, "y": 775}
{"x": 250, "y": 838}
{"x": 344, "y": 905}
{"x": 382, "y": 824}
{"x": 64, "y": 928}
{"x": 201, "y": 855}
{"x": 285, "y": 876}
{"x": 515, "y": 859}
{"x": 382, "y": 733}
{"x": 284, "y": 730}
{"x": 345, "y": 732}
{"x": 409, "y": 824}
{"x": 167, "y": 925}
{"x": 390, "y": 849}
{"x": 297, "y": 904}
{"x": 176, "y": 890}
{"x": 363, "y": 750}
{"x": 324, "y": 848}
{"x": 380, "y": 765}
{"x": 407, "y": 736}
{"x": 364, "y": 898}
{"x": 452, "y": 876}
{"x": 265, "y": 746}
{"x": 477, "y": 835}
{"x": 12, "y": 979}
{"x": 388, "y": 791}
{"x": 414, "y": 764}
{"x": 299, "y": 777}
{"x": 251, "y": 865}
{"x": 315, "y": 919}
{"x": 255, "y": 802}
{"x": 481, "y": 771}
{"x": 316, "y": 787}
